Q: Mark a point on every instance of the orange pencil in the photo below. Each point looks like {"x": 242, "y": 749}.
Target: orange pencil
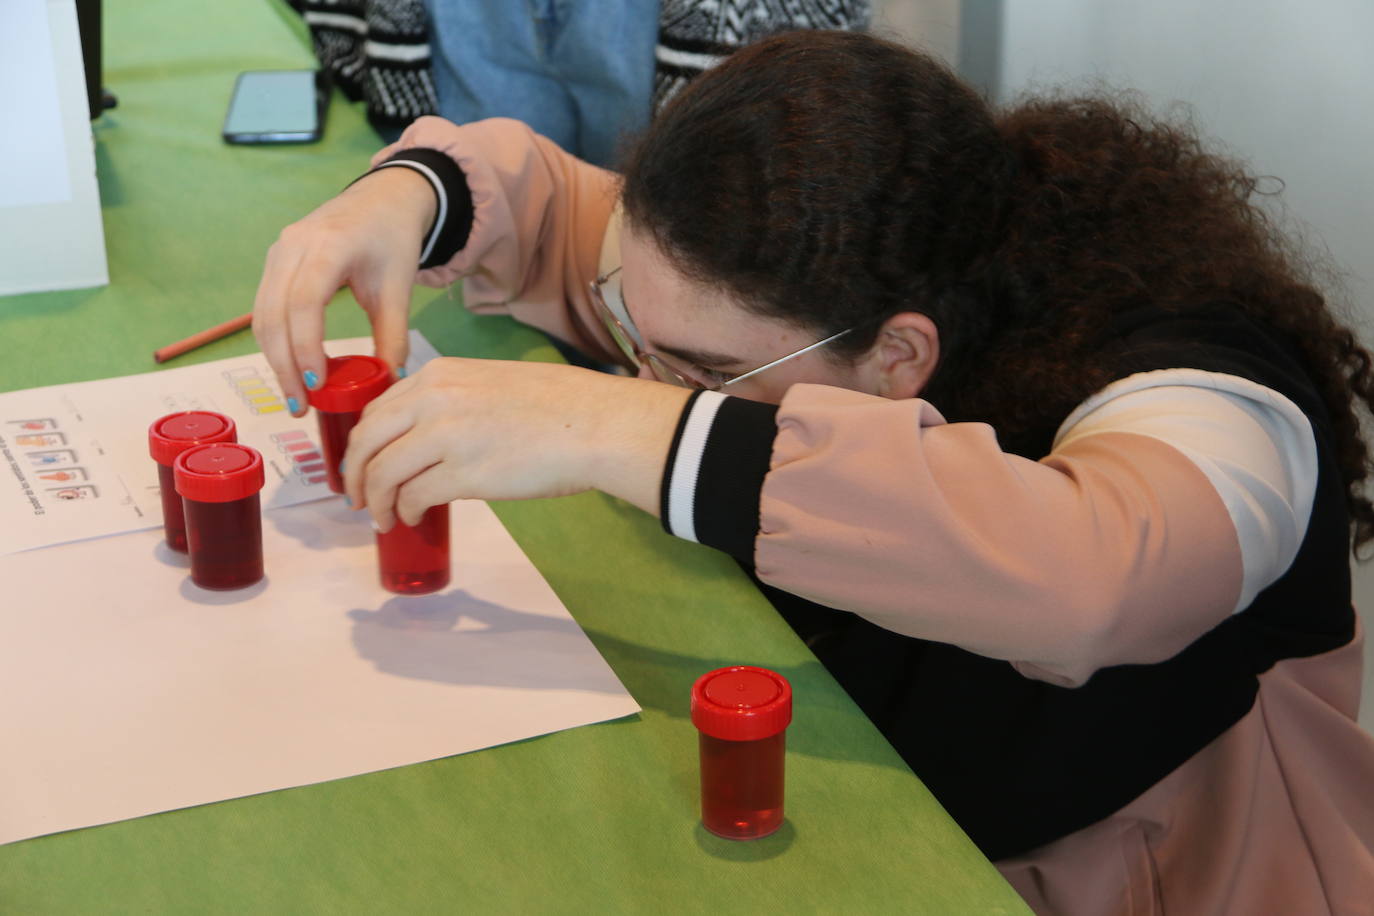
{"x": 203, "y": 338}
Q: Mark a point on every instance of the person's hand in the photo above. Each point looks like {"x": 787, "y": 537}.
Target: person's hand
{"x": 486, "y": 429}
{"x": 369, "y": 239}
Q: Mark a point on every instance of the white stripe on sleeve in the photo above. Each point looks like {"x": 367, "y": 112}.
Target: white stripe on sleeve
{"x": 441, "y": 214}
{"x": 682, "y": 486}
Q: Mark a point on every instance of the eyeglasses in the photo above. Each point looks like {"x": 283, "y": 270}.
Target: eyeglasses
{"x": 627, "y": 337}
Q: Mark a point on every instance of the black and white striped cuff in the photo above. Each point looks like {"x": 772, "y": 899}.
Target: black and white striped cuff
{"x": 453, "y": 217}
{"x": 715, "y": 471}
{"x": 688, "y": 57}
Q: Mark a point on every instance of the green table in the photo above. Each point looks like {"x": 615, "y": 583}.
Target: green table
{"x": 596, "y": 819}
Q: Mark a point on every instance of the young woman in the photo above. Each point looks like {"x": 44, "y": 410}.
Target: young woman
{"x": 1047, "y": 435}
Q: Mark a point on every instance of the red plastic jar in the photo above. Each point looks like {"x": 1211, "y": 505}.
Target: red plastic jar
{"x": 350, "y": 382}
{"x": 168, "y": 437}
{"x": 414, "y": 560}
{"x": 742, "y": 713}
{"x": 219, "y": 485}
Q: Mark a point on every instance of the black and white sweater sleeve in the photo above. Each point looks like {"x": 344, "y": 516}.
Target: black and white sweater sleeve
{"x": 453, "y": 216}
{"x": 714, "y": 476}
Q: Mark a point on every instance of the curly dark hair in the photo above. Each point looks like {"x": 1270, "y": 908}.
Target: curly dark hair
{"x": 833, "y": 179}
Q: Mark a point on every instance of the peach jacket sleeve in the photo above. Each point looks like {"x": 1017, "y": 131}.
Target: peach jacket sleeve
{"x": 539, "y": 216}
{"x": 1167, "y": 502}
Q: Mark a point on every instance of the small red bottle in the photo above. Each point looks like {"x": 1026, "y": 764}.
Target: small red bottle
{"x": 350, "y": 383}
{"x": 742, "y": 713}
{"x": 168, "y": 437}
{"x": 415, "y": 560}
{"x": 412, "y": 560}
{"x": 219, "y": 485}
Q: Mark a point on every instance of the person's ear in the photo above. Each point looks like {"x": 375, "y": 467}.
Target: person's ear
{"x": 903, "y": 356}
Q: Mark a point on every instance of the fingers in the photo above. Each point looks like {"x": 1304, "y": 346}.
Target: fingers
{"x": 391, "y": 318}
{"x": 374, "y": 432}
{"x": 433, "y": 486}
{"x": 270, "y": 325}
{"x": 313, "y": 285}
{"x": 395, "y": 466}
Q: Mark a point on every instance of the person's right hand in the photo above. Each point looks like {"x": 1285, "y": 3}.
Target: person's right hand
{"x": 369, "y": 239}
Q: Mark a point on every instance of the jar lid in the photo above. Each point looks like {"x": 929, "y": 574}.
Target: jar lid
{"x": 741, "y": 703}
{"x": 349, "y": 383}
{"x": 173, "y": 434}
{"x": 218, "y": 473}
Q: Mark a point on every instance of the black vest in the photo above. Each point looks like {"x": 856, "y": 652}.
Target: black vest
{"x": 1018, "y": 762}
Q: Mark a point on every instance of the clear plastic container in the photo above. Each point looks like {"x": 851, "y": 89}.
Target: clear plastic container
{"x": 414, "y": 560}
{"x": 220, "y": 485}
{"x": 168, "y": 437}
{"x": 350, "y": 382}
{"x": 742, "y": 714}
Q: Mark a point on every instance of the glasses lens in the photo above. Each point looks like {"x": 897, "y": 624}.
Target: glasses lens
{"x": 666, "y": 373}
{"x": 613, "y": 326}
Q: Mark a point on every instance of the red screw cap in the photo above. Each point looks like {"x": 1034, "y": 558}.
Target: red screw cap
{"x": 173, "y": 434}
{"x": 218, "y": 473}
{"x": 741, "y": 703}
{"x": 349, "y": 383}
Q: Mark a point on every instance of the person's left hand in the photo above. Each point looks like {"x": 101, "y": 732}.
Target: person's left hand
{"x": 488, "y": 429}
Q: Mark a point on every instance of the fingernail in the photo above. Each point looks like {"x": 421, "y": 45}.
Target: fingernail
{"x": 292, "y": 405}
{"x": 341, "y": 466}
{"x": 348, "y": 502}
{"x": 401, "y": 372}
{"x": 312, "y": 380}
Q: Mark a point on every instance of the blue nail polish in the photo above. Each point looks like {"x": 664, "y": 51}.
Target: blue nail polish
{"x": 341, "y": 466}
{"x": 292, "y": 405}
{"x": 348, "y": 502}
{"x": 401, "y": 372}
{"x": 312, "y": 380}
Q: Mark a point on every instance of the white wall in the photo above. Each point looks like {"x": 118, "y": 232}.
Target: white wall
{"x": 1287, "y": 86}
{"x": 931, "y": 25}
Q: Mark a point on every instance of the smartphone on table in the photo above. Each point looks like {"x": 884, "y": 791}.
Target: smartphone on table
{"x": 277, "y": 106}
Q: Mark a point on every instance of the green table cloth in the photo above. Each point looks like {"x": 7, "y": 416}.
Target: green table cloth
{"x": 593, "y": 820}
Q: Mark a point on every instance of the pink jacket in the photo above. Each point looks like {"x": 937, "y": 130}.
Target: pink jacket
{"x": 1049, "y": 564}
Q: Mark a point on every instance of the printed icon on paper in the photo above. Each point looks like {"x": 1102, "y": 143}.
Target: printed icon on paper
{"x": 65, "y": 475}
{"x": 257, "y": 394}
{"x": 84, "y": 491}
{"x": 306, "y": 460}
{"x": 40, "y": 440}
{"x": 58, "y": 457}
{"x": 33, "y": 425}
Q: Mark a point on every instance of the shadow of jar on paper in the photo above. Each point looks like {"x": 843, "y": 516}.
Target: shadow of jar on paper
{"x": 330, "y": 525}
{"x": 213, "y": 598}
{"x": 169, "y": 557}
{"x": 456, "y": 638}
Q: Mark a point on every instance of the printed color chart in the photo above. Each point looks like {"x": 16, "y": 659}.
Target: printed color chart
{"x": 77, "y": 455}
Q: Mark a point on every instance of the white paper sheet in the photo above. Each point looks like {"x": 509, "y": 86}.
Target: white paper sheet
{"x": 125, "y": 690}
{"x": 74, "y": 458}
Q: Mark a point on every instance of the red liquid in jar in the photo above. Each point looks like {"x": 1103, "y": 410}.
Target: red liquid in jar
{"x": 225, "y": 541}
{"x": 742, "y": 786}
{"x": 415, "y": 560}
{"x": 168, "y": 437}
{"x": 334, "y": 430}
{"x": 173, "y": 516}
